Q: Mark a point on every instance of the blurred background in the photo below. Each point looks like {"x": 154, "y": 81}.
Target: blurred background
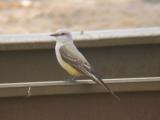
{"x": 39, "y": 16}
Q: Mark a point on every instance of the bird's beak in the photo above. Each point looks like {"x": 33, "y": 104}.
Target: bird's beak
{"x": 54, "y": 34}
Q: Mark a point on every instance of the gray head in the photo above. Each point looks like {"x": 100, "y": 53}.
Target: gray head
{"x": 62, "y": 35}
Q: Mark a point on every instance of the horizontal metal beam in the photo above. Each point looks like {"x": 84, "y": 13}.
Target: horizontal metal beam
{"x": 80, "y": 87}
{"x": 83, "y": 39}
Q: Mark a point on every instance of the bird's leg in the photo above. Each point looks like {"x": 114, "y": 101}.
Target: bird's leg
{"x": 72, "y": 79}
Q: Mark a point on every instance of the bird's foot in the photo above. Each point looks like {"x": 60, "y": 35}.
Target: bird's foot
{"x": 72, "y": 80}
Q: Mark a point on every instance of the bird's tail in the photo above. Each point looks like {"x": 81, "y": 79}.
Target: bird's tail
{"x": 105, "y": 86}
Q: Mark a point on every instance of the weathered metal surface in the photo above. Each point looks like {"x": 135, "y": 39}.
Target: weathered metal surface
{"x": 83, "y": 39}
{"x": 81, "y": 86}
{"x": 133, "y": 106}
{"x": 109, "y": 62}
{"x": 28, "y": 67}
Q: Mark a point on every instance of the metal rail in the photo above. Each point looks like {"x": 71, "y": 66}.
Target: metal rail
{"x": 83, "y": 39}
{"x": 81, "y": 86}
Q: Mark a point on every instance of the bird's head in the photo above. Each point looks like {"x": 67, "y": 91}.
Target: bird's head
{"x": 62, "y": 35}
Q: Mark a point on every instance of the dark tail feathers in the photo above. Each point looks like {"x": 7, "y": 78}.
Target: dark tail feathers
{"x": 105, "y": 86}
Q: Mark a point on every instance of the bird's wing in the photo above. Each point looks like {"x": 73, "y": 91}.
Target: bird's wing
{"x": 72, "y": 55}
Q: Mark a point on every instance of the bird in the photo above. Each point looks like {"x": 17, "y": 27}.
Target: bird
{"x": 73, "y": 61}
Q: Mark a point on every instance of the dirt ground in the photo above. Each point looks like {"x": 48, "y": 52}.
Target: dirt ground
{"x": 48, "y": 15}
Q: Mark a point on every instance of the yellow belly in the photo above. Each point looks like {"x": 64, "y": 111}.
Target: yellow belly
{"x": 72, "y": 71}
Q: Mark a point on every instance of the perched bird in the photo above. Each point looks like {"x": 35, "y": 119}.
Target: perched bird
{"x": 72, "y": 60}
